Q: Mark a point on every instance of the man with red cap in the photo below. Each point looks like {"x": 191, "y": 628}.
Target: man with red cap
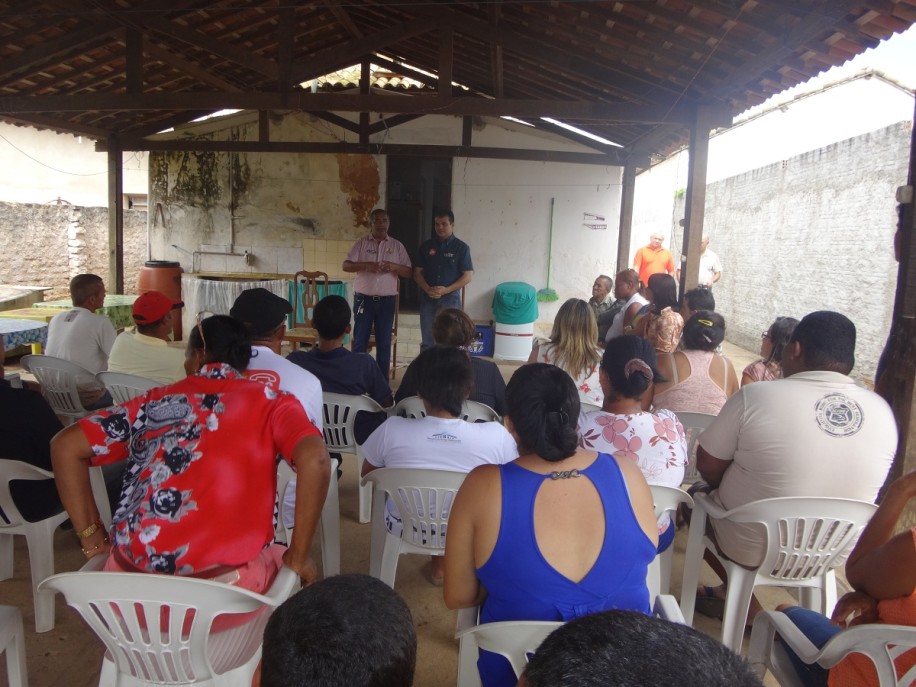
{"x": 147, "y": 353}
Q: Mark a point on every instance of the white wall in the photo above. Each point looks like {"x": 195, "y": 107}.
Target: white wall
{"x": 40, "y": 166}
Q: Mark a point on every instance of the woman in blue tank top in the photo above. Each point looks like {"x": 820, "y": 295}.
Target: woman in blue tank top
{"x": 556, "y": 534}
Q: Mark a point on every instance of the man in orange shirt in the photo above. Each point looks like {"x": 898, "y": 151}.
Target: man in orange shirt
{"x": 653, "y": 259}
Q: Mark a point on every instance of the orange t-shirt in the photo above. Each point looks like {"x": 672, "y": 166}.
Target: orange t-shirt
{"x": 648, "y": 262}
{"x": 857, "y": 670}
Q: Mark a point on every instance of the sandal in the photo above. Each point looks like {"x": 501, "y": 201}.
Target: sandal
{"x": 432, "y": 579}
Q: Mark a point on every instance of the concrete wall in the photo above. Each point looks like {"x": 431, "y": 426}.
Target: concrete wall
{"x": 41, "y": 166}
{"x": 296, "y": 210}
{"x": 813, "y": 232}
{"x": 48, "y": 244}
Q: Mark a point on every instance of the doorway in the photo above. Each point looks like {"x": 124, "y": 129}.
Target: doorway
{"x": 416, "y": 188}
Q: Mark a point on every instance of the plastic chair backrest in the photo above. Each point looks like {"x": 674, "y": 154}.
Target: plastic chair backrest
{"x": 588, "y": 407}
{"x": 123, "y": 386}
{"x": 514, "y": 639}
{"x": 58, "y": 379}
{"x": 694, "y": 424}
{"x": 804, "y": 535}
{"x": 16, "y": 470}
{"x": 424, "y": 499}
{"x": 339, "y": 415}
{"x": 121, "y": 608}
{"x": 309, "y": 296}
{"x": 471, "y": 411}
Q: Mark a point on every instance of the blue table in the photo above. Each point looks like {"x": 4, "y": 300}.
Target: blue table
{"x": 21, "y": 332}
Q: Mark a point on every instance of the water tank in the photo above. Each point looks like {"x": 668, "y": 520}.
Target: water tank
{"x": 163, "y": 276}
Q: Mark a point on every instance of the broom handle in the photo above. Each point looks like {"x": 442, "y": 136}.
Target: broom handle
{"x": 550, "y": 242}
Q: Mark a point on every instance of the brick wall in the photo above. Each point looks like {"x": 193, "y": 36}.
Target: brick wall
{"x": 813, "y": 232}
{"x": 47, "y": 244}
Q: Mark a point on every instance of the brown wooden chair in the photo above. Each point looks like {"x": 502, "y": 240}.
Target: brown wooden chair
{"x": 301, "y": 331}
{"x": 394, "y": 334}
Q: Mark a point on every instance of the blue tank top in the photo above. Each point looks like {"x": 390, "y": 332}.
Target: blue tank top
{"x": 522, "y": 585}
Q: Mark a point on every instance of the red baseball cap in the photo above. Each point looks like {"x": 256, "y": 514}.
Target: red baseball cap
{"x": 152, "y": 306}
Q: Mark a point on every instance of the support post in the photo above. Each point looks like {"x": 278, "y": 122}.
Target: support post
{"x": 627, "y": 196}
{"x": 695, "y": 208}
{"x": 115, "y": 217}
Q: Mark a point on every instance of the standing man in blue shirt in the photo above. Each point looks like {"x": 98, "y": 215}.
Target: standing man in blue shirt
{"x": 443, "y": 268}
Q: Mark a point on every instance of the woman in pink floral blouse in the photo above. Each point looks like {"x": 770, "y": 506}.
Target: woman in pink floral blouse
{"x": 623, "y": 427}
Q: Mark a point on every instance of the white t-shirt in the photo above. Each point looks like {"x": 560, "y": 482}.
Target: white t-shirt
{"x": 434, "y": 443}
{"x": 278, "y": 373}
{"x": 82, "y": 337}
{"x": 812, "y": 434}
{"x": 616, "y": 328}
{"x": 146, "y": 356}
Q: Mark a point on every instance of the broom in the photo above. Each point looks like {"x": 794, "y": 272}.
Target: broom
{"x": 548, "y": 294}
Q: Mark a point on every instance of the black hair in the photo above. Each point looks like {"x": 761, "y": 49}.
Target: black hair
{"x": 704, "y": 331}
{"x": 700, "y": 298}
{"x": 631, "y": 649}
{"x": 148, "y": 329}
{"x": 543, "y": 404}
{"x": 627, "y": 379}
{"x": 780, "y": 334}
{"x": 452, "y": 327}
{"x": 445, "y": 212}
{"x": 344, "y": 631}
{"x": 225, "y": 340}
{"x": 829, "y": 341}
{"x": 664, "y": 291}
{"x": 445, "y": 378}
{"x": 330, "y": 317}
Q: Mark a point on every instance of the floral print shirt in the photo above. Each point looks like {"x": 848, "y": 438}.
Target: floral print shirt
{"x": 656, "y": 442}
{"x": 663, "y": 330}
{"x": 200, "y": 481}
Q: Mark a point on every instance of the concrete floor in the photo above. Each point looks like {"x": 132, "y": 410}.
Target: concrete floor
{"x": 70, "y": 655}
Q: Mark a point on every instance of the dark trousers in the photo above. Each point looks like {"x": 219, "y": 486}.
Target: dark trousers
{"x": 374, "y": 312}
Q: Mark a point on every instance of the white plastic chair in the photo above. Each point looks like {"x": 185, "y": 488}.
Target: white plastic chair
{"x": 517, "y": 638}
{"x": 123, "y": 386}
{"x": 121, "y": 607}
{"x": 39, "y": 537}
{"x": 666, "y": 500}
{"x": 328, "y": 525}
{"x": 880, "y": 643}
{"x": 694, "y": 424}
{"x": 424, "y": 500}
{"x": 339, "y": 415}
{"x": 471, "y": 411}
{"x": 588, "y": 407}
{"x": 805, "y": 538}
{"x": 58, "y": 379}
{"x": 12, "y": 643}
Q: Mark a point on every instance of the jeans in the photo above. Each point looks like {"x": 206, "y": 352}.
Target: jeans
{"x": 819, "y": 630}
{"x": 428, "y": 309}
{"x": 367, "y": 311}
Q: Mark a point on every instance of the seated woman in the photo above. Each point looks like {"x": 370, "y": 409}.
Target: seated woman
{"x": 452, "y": 327}
{"x": 623, "y": 428}
{"x": 660, "y": 324}
{"x": 882, "y": 572}
{"x": 572, "y": 348}
{"x": 198, "y": 492}
{"x": 445, "y": 383}
{"x": 772, "y": 343}
{"x": 554, "y": 535}
{"x": 699, "y": 380}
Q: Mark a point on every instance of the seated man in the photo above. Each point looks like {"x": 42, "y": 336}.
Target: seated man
{"x": 147, "y": 353}
{"x": 813, "y": 433}
{"x": 84, "y": 338}
{"x": 27, "y": 425}
{"x": 604, "y": 304}
{"x": 441, "y": 440}
{"x": 628, "y": 648}
{"x": 345, "y": 631}
{"x": 339, "y": 370}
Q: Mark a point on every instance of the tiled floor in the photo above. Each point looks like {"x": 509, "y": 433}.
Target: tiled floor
{"x": 70, "y": 656}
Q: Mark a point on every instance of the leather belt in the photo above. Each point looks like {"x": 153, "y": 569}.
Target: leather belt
{"x": 374, "y": 298}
